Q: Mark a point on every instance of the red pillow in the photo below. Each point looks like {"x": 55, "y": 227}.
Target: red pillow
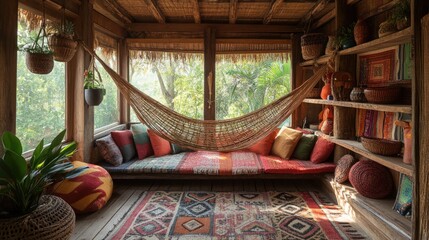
{"x": 124, "y": 140}
{"x": 161, "y": 147}
{"x": 263, "y": 147}
{"x": 322, "y": 150}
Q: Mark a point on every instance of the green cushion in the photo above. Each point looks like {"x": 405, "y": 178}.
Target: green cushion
{"x": 141, "y": 140}
{"x": 304, "y": 147}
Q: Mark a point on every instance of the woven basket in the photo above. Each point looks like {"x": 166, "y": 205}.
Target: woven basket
{"x": 314, "y": 93}
{"x": 64, "y": 48}
{"x": 382, "y": 146}
{"x": 53, "y": 219}
{"x": 382, "y": 95}
{"x": 313, "y": 45}
{"x": 39, "y": 63}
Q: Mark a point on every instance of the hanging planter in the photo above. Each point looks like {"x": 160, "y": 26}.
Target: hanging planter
{"x": 39, "y": 57}
{"x": 61, "y": 41}
{"x": 94, "y": 89}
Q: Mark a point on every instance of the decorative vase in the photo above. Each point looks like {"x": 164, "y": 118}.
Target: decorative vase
{"x": 358, "y": 95}
{"x": 330, "y": 46}
{"x": 348, "y": 43}
{"x": 326, "y": 91}
{"x": 94, "y": 96}
{"x": 39, "y": 63}
{"x": 53, "y": 219}
{"x": 361, "y": 32}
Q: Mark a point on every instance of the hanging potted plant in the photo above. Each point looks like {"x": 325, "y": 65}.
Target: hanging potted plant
{"x": 25, "y": 211}
{"x": 94, "y": 89}
{"x": 62, "y": 42}
{"x": 39, "y": 57}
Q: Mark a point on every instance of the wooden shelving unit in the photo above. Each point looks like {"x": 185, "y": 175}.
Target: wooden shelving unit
{"x": 391, "y": 40}
{"x": 376, "y": 215}
{"x": 369, "y": 106}
{"x": 318, "y": 61}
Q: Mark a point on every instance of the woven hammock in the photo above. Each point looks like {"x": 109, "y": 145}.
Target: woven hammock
{"x": 212, "y": 135}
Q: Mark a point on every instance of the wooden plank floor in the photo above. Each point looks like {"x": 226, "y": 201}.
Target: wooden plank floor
{"x": 126, "y": 192}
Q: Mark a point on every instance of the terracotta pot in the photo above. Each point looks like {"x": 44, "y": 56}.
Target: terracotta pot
{"x": 326, "y": 90}
{"x": 358, "y": 95}
{"x": 361, "y": 32}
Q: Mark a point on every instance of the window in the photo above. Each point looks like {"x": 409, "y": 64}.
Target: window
{"x": 175, "y": 82}
{"x": 40, "y": 99}
{"x": 244, "y": 85}
{"x": 108, "y": 111}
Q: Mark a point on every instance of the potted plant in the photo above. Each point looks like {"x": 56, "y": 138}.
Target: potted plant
{"x": 61, "y": 41}
{"x": 345, "y": 37}
{"x": 400, "y": 16}
{"x": 94, "y": 89}
{"x": 39, "y": 57}
{"x": 25, "y": 212}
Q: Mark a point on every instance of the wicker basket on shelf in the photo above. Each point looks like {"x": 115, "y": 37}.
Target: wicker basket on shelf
{"x": 313, "y": 45}
{"x": 314, "y": 93}
{"x": 382, "y": 146}
{"x": 382, "y": 94}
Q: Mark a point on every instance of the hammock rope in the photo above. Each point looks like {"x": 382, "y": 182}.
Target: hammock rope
{"x": 213, "y": 135}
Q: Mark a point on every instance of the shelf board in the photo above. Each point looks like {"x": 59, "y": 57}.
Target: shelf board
{"x": 394, "y": 163}
{"x": 318, "y": 61}
{"x": 390, "y": 40}
{"x": 369, "y": 106}
{"x": 377, "y": 214}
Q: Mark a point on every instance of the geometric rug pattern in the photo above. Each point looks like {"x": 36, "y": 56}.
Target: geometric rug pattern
{"x": 232, "y": 215}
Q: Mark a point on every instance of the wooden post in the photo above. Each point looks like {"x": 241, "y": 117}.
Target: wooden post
{"x": 421, "y": 118}
{"x": 8, "y": 58}
{"x": 83, "y": 132}
{"x": 344, "y": 118}
{"x": 209, "y": 74}
{"x": 297, "y": 78}
{"x": 124, "y": 115}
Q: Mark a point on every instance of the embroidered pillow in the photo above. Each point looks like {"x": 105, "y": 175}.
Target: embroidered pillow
{"x": 305, "y": 147}
{"x": 141, "y": 140}
{"x": 285, "y": 142}
{"x": 125, "y": 142}
{"x": 263, "y": 147}
{"x": 322, "y": 150}
{"x": 109, "y": 151}
{"x": 161, "y": 147}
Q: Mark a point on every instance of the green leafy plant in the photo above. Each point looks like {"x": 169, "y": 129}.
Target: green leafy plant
{"x": 35, "y": 47}
{"x": 23, "y": 183}
{"x": 345, "y": 35}
{"x": 91, "y": 82}
{"x": 63, "y": 29}
{"x": 401, "y": 11}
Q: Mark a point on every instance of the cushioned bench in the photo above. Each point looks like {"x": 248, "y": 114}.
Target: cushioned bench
{"x": 204, "y": 164}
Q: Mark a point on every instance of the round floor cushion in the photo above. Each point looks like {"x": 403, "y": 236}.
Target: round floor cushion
{"x": 371, "y": 179}
{"x": 343, "y": 168}
{"x": 87, "y": 192}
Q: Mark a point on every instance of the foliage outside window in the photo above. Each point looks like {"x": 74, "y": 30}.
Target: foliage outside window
{"x": 108, "y": 111}
{"x": 245, "y": 85}
{"x": 41, "y": 104}
{"x": 176, "y": 83}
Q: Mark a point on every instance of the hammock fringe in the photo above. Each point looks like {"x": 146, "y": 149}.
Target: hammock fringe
{"x": 213, "y": 135}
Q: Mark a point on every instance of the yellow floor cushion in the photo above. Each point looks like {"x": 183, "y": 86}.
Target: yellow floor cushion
{"x": 87, "y": 192}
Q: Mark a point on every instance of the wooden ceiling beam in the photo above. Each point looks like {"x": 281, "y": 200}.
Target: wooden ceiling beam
{"x": 269, "y": 15}
{"x": 317, "y": 8}
{"x": 154, "y": 9}
{"x": 233, "y": 11}
{"x": 109, "y": 25}
{"x": 239, "y": 28}
{"x": 196, "y": 10}
{"x": 326, "y": 18}
{"x": 201, "y": 40}
{"x": 117, "y": 10}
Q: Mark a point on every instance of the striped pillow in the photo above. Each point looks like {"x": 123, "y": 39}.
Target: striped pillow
{"x": 109, "y": 151}
{"x": 141, "y": 140}
{"x": 125, "y": 142}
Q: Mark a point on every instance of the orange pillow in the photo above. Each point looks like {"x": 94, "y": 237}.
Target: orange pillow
{"x": 263, "y": 147}
{"x": 161, "y": 147}
{"x": 285, "y": 142}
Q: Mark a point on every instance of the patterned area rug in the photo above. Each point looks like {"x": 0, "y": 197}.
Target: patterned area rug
{"x": 227, "y": 215}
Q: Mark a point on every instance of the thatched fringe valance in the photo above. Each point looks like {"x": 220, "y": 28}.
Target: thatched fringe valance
{"x": 108, "y": 45}
{"x": 152, "y": 51}
{"x": 31, "y": 19}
